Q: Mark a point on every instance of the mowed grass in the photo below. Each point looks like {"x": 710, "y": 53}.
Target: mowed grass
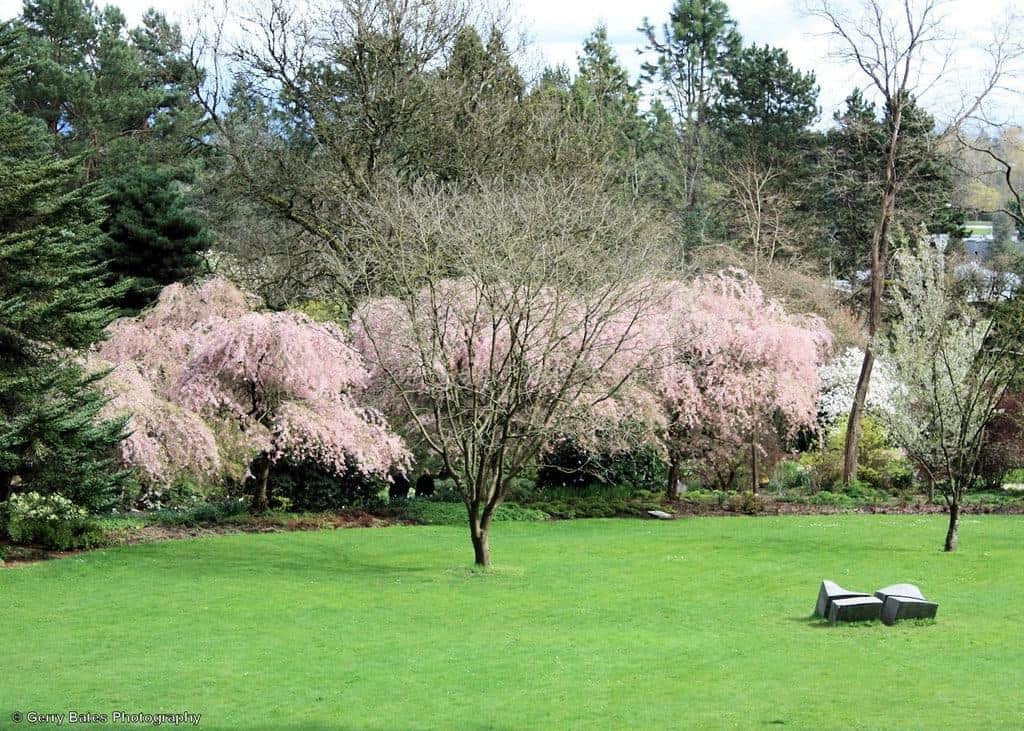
{"x": 586, "y": 624}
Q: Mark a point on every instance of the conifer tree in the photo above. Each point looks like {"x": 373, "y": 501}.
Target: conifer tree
{"x": 120, "y": 98}
{"x": 52, "y": 301}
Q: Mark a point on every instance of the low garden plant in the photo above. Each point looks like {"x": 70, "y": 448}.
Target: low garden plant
{"x": 51, "y": 521}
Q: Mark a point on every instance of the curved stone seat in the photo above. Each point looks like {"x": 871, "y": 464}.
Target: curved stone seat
{"x": 909, "y": 591}
{"x": 855, "y": 609}
{"x": 829, "y": 592}
{"x": 896, "y": 608}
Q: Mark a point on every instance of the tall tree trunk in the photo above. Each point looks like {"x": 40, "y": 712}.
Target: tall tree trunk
{"x": 853, "y": 422}
{"x": 672, "y": 489}
{"x": 478, "y": 533}
{"x": 261, "y": 498}
{"x": 755, "y": 470}
{"x": 954, "y": 524}
{"x": 879, "y": 256}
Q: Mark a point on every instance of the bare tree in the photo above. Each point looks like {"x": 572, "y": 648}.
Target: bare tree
{"x": 311, "y": 106}
{"x": 903, "y": 50}
{"x": 512, "y": 317}
{"x": 991, "y": 144}
{"x": 764, "y": 214}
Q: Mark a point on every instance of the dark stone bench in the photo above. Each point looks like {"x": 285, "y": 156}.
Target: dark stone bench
{"x": 910, "y": 591}
{"x": 889, "y": 604}
{"x": 896, "y": 608}
{"x": 855, "y": 609}
{"x": 829, "y": 592}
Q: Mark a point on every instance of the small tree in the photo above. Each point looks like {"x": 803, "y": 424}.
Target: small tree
{"x": 953, "y": 365}
{"x": 514, "y": 319}
{"x": 735, "y": 361}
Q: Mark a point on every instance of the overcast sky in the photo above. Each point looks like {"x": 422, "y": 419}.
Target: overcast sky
{"x": 557, "y": 28}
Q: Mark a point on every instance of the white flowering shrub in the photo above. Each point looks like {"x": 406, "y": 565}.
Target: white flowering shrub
{"x": 51, "y": 521}
{"x": 839, "y": 383}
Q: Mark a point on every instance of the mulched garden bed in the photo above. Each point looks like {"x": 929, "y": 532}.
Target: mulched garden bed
{"x": 22, "y": 555}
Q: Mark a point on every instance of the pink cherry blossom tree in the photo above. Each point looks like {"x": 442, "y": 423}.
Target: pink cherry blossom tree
{"x": 202, "y": 369}
{"x": 488, "y": 373}
{"x": 732, "y": 362}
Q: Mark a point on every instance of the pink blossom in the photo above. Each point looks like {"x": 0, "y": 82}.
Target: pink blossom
{"x": 731, "y": 359}
{"x": 204, "y": 376}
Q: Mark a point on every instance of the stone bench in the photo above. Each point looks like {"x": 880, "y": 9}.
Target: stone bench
{"x": 910, "y": 591}
{"x": 829, "y": 592}
{"x": 896, "y": 608}
{"x": 889, "y": 604}
{"x": 855, "y": 609}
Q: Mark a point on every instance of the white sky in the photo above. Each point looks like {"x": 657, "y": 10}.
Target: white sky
{"x": 557, "y": 28}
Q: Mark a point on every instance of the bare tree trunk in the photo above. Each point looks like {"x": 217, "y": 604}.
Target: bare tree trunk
{"x": 879, "y": 255}
{"x": 954, "y": 524}
{"x": 261, "y": 498}
{"x": 478, "y": 533}
{"x": 853, "y": 422}
{"x": 755, "y": 470}
{"x": 672, "y": 489}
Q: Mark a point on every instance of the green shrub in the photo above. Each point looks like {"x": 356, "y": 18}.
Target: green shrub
{"x": 184, "y": 492}
{"x": 704, "y": 496}
{"x": 523, "y": 490}
{"x": 790, "y": 475}
{"x": 305, "y": 486}
{"x": 51, "y": 521}
{"x": 568, "y": 470}
{"x": 878, "y": 464}
{"x": 1014, "y": 476}
{"x": 745, "y": 502}
{"x": 204, "y": 514}
{"x": 598, "y": 506}
{"x": 862, "y": 491}
{"x": 324, "y": 310}
{"x": 831, "y": 499}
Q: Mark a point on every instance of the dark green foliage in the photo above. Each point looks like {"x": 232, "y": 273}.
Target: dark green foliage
{"x": 121, "y": 99}
{"x": 577, "y": 471}
{"x": 852, "y": 181}
{"x": 52, "y": 299}
{"x": 53, "y": 439}
{"x": 209, "y": 513}
{"x": 595, "y": 505}
{"x": 692, "y": 54}
{"x": 766, "y": 105}
{"x": 310, "y": 488}
{"x": 153, "y": 238}
{"x": 606, "y": 99}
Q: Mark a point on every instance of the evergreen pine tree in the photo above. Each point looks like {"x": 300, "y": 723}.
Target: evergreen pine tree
{"x": 121, "y": 99}
{"x": 52, "y": 301}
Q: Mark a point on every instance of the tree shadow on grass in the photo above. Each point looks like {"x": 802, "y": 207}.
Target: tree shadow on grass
{"x": 812, "y": 621}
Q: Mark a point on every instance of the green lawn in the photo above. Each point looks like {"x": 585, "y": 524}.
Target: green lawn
{"x": 587, "y": 624}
